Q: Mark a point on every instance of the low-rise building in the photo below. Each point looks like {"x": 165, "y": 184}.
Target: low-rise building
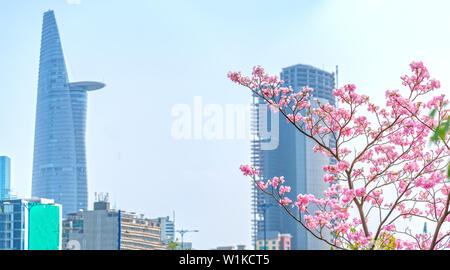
{"x": 109, "y": 229}
{"x": 30, "y": 224}
{"x": 274, "y": 241}
{"x": 237, "y": 247}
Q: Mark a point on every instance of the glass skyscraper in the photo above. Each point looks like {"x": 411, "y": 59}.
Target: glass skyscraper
{"x": 59, "y": 165}
{"x": 293, "y": 158}
{"x": 5, "y": 177}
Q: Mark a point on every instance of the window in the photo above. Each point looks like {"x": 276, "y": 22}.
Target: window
{"x": 17, "y": 233}
{"x": 17, "y": 244}
{"x": 17, "y": 216}
{"x": 17, "y": 207}
{"x": 6, "y": 244}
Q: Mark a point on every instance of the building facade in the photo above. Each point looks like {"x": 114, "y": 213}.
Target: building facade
{"x": 235, "y": 247}
{"x": 274, "y": 241}
{"x": 293, "y": 158}
{"x": 5, "y": 177}
{"x": 34, "y": 224}
{"x": 167, "y": 229}
{"x": 59, "y": 165}
{"x": 108, "y": 229}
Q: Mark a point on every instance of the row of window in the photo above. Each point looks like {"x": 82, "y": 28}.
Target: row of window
{"x": 16, "y": 244}
{"x": 261, "y": 242}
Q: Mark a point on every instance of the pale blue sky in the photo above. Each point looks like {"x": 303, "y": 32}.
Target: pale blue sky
{"x": 155, "y": 54}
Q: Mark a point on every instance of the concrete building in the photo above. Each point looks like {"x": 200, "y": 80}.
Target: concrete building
{"x": 5, "y": 177}
{"x": 293, "y": 158}
{"x": 30, "y": 224}
{"x": 274, "y": 241}
{"x": 108, "y": 229}
{"x": 59, "y": 161}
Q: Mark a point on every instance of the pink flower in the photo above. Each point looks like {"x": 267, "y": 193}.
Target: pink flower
{"x": 284, "y": 189}
{"x": 349, "y": 195}
{"x": 329, "y": 178}
{"x": 390, "y": 227}
{"x": 285, "y": 201}
{"x": 360, "y": 192}
{"x": 248, "y": 170}
{"x": 343, "y": 165}
{"x": 303, "y": 201}
{"x": 262, "y": 185}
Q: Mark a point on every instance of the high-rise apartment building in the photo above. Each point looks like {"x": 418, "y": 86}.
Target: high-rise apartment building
{"x": 293, "y": 158}
{"x": 5, "y": 177}
{"x": 33, "y": 224}
{"x": 59, "y": 165}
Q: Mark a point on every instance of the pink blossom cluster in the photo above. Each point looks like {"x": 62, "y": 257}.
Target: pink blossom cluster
{"x": 378, "y": 151}
{"x": 249, "y": 170}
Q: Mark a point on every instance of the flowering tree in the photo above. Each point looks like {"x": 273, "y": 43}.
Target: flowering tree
{"x": 387, "y": 176}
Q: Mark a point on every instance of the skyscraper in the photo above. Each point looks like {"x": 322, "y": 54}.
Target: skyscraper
{"x": 293, "y": 158}
{"x": 59, "y": 166}
{"x": 5, "y": 177}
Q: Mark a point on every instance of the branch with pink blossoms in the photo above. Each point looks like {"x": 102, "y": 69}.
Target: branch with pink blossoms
{"x": 392, "y": 176}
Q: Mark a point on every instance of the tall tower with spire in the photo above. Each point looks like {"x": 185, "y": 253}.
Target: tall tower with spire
{"x": 59, "y": 165}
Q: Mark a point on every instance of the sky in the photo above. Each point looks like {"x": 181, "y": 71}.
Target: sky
{"x": 155, "y": 55}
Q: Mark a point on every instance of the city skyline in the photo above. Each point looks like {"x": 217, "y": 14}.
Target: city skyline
{"x": 156, "y": 56}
